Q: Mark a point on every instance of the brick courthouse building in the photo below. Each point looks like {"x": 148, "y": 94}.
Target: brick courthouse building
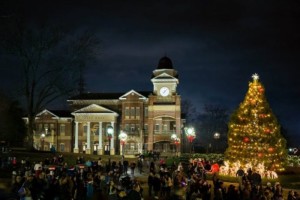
{"x": 149, "y": 118}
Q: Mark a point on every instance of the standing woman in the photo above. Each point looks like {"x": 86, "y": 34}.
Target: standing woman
{"x": 156, "y": 185}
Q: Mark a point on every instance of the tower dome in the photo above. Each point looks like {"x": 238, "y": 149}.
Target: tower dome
{"x": 165, "y": 63}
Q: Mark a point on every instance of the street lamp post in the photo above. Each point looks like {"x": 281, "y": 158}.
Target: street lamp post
{"x": 123, "y": 138}
{"x": 190, "y": 134}
{"x": 43, "y": 140}
{"x": 173, "y": 138}
{"x": 216, "y": 137}
{"x": 109, "y": 132}
{"x": 176, "y": 141}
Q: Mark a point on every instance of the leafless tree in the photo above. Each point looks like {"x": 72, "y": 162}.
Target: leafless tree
{"x": 213, "y": 119}
{"x": 189, "y": 110}
{"x": 50, "y": 60}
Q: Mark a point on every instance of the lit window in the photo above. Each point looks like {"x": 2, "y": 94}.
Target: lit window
{"x": 132, "y": 112}
{"x": 132, "y": 128}
{"x": 126, "y": 127}
{"x": 157, "y": 127}
{"x": 137, "y": 113}
{"x": 127, "y": 113}
{"x": 84, "y": 130}
{"x": 62, "y": 129}
{"x": 62, "y": 147}
{"x": 146, "y": 127}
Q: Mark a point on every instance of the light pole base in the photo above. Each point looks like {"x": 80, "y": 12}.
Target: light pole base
{"x": 112, "y": 151}
{"x": 100, "y": 151}
{"x": 76, "y": 150}
{"x": 88, "y": 151}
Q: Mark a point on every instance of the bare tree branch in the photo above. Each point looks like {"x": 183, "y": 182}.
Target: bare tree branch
{"x": 50, "y": 59}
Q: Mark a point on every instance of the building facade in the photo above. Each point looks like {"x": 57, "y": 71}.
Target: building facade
{"x": 149, "y": 119}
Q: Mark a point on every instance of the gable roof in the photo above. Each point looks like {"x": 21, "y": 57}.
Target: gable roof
{"x": 164, "y": 76}
{"x": 94, "y": 108}
{"x": 133, "y": 92}
{"x": 56, "y": 113}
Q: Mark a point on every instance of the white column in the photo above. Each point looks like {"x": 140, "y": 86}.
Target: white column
{"x": 100, "y": 145}
{"x": 100, "y": 135}
{"x": 112, "y": 146}
{"x": 113, "y": 136}
{"x": 88, "y": 138}
{"x": 178, "y": 133}
{"x": 76, "y": 150}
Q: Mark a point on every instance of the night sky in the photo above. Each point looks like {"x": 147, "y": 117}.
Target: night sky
{"x": 215, "y": 46}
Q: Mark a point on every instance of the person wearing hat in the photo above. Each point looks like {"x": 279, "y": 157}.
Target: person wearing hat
{"x": 38, "y": 168}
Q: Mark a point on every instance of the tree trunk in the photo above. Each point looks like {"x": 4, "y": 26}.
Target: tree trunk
{"x": 30, "y": 132}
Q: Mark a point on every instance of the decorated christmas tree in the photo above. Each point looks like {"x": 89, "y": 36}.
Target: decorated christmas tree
{"x": 254, "y": 136}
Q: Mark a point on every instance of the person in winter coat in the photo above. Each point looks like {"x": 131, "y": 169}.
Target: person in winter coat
{"x": 156, "y": 185}
{"x": 132, "y": 167}
{"x": 134, "y": 193}
{"x": 150, "y": 184}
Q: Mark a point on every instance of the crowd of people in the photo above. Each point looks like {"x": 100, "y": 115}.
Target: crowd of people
{"x": 87, "y": 179}
{"x": 54, "y": 179}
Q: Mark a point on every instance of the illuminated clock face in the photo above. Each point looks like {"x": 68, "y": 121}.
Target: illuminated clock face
{"x": 164, "y": 91}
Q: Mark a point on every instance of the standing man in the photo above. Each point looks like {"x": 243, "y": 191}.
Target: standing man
{"x": 140, "y": 165}
{"x": 256, "y": 179}
{"x": 132, "y": 167}
{"x": 150, "y": 184}
{"x": 240, "y": 174}
{"x": 125, "y": 166}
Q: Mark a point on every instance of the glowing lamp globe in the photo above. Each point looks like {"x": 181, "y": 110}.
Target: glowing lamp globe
{"x": 190, "y": 133}
{"x": 122, "y": 137}
{"x": 173, "y": 136}
{"x": 110, "y": 132}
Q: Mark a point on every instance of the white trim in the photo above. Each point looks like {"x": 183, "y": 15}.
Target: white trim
{"x": 96, "y": 109}
{"x": 51, "y": 113}
{"x": 123, "y": 97}
{"x": 164, "y": 75}
{"x": 46, "y": 111}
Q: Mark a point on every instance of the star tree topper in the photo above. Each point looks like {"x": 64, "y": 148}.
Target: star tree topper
{"x": 255, "y": 77}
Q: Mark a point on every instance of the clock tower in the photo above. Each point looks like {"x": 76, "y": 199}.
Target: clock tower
{"x": 164, "y": 108}
{"x": 164, "y": 78}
